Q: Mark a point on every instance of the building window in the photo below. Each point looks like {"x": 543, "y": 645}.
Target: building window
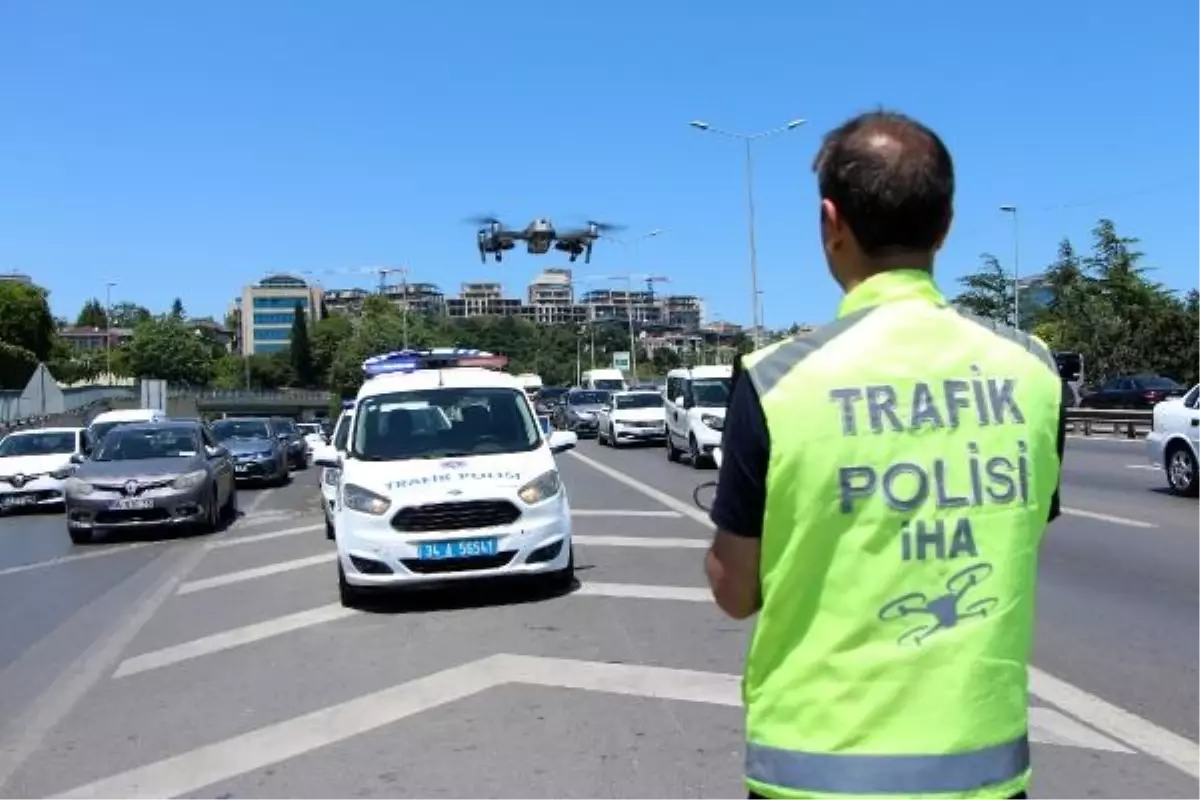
{"x": 273, "y": 319}
{"x": 269, "y": 347}
{"x": 272, "y": 334}
{"x": 280, "y": 302}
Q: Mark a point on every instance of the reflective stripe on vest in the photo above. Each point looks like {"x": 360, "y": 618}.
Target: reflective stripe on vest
{"x": 853, "y": 774}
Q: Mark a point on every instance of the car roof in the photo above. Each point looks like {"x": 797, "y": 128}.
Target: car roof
{"x": 31, "y": 431}
{"x": 161, "y": 425}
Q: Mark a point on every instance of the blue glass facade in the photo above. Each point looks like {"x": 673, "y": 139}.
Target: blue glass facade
{"x": 280, "y": 302}
{"x": 272, "y": 334}
{"x": 276, "y": 318}
{"x": 269, "y": 347}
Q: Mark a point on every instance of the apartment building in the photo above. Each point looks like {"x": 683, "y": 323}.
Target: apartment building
{"x": 89, "y": 338}
{"x": 267, "y": 310}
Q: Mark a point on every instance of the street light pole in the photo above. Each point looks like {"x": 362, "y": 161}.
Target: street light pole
{"x": 108, "y": 331}
{"x": 1010, "y": 209}
{"x": 626, "y": 245}
{"x": 748, "y": 140}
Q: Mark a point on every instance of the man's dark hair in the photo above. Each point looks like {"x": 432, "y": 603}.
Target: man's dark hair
{"x": 891, "y": 179}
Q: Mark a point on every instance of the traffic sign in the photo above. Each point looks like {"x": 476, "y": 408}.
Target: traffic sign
{"x": 621, "y": 361}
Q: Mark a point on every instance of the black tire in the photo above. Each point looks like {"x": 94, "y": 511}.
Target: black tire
{"x": 350, "y": 596}
{"x": 79, "y": 537}
{"x": 1180, "y": 467}
{"x": 694, "y": 453}
{"x": 229, "y": 512}
{"x": 212, "y": 514}
{"x": 673, "y": 452}
{"x": 329, "y": 532}
{"x": 564, "y": 579}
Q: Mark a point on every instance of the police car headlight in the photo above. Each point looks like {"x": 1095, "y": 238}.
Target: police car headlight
{"x": 77, "y": 487}
{"x": 330, "y": 476}
{"x": 190, "y": 480}
{"x": 364, "y": 501}
{"x": 713, "y": 421}
{"x": 541, "y": 488}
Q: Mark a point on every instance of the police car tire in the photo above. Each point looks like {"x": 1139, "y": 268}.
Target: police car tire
{"x": 329, "y": 530}
{"x": 694, "y": 455}
{"x": 350, "y": 596}
{"x": 564, "y": 579}
{"x": 79, "y": 537}
{"x": 673, "y": 453}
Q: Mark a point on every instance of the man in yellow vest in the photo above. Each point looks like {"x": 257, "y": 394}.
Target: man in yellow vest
{"x": 885, "y": 485}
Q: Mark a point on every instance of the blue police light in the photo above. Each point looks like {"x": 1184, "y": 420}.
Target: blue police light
{"x": 435, "y": 358}
{"x": 347, "y": 405}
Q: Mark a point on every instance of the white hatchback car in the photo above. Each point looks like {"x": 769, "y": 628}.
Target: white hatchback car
{"x": 35, "y": 463}
{"x": 330, "y": 452}
{"x": 447, "y": 476}
{"x": 1174, "y": 441}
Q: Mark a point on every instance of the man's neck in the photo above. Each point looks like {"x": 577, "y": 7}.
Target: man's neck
{"x": 889, "y": 262}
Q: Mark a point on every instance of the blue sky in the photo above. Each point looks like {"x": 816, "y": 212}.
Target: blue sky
{"x": 189, "y": 148}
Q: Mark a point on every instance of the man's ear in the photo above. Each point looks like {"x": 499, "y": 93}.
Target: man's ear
{"x": 833, "y": 228}
{"x": 945, "y": 231}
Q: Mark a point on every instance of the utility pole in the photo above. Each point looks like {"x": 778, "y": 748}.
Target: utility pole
{"x": 748, "y": 140}
{"x": 1009, "y": 209}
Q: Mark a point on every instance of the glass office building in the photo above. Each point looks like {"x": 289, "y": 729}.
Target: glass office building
{"x": 268, "y": 310}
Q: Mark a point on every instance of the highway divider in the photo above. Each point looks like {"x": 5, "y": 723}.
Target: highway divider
{"x": 1116, "y": 422}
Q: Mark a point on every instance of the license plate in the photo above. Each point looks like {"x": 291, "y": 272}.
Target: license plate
{"x": 456, "y": 548}
{"x": 18, "y": 500}
{"x": 241, "y": 468}
{"x": 131, "y": 505}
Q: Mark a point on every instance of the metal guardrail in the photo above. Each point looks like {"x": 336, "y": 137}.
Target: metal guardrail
{"x": 1119, "y": 422}
{"x": 294, "y": 395}
{"x": 70, "y": 418}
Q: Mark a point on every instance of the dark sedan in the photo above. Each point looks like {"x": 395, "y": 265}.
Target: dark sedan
{"x": 1133, "y": 392}
{"x": 579, "y": 411}
{"x": 288, "y": 433}
{"x": 548, "y": 397}
{"x": 150, "y": 475}
{"x": 258, "y": 454}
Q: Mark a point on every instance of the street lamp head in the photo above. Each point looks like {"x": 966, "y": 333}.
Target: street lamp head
{"x": 655, "y": 232}
{"x": 796, "y": 123}
{"x": 699, "y": 124}
{"x": 1009, "y": 209}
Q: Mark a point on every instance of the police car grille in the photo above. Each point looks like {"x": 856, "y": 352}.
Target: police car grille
{"x": 458, "y": 516}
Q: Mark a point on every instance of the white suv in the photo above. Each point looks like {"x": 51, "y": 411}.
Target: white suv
{"x": 447, "y": 475}
{"x": 1174, "y": 440}
{"x": 695, "y": 410}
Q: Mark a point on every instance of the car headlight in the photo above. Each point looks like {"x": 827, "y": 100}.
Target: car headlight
{"x": 330, "y": 477}
{"x": 78, "y": 487}
{"x": 543, "y": 487}
{"x": 62, "y": 473}
{"x": 190, "y": 480}
{"x": 364, "y": 501}
{"x": 713, "y": 421}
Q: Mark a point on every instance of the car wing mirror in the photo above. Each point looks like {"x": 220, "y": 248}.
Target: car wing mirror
{"x": 78, "y": 458}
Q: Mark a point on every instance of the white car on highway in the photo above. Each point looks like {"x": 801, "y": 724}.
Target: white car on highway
{"x": 330, "y": 452}
{"x": 633, "y": 416}
{"x": 35, "y": 463}
{"x": 1174, "y": 441}
{"x": 447, "y": 475}
{"x": 695, "y": 408}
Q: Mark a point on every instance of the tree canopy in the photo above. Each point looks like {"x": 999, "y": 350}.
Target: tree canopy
{"x": 92, "y": 315}
{"x": 167, "y": 348}
{"x": 1103, "y": 305}
{"x": 27, "y": 332}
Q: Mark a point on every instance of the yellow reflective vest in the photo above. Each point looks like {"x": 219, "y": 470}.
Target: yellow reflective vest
{"x": 913, "y": 458}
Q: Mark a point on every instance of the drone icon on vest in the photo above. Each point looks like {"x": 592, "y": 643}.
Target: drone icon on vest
{"x": 943, "y": 611}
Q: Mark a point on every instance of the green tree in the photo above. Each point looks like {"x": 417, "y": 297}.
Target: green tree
{"x": 258, "y": 371}
{"x": 300, "y": 348}
{"x": 177, "y": 310}
{"x": 988, "y": 293}
{"x": 328, "y": 335}
{"x": 128, "y": 315}
{"x": 92, "y": 315}
{"x": 167, "y": 349}
{"x": 16, "y": 366}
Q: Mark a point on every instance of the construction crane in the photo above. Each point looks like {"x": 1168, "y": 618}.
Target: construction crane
{"x": 651, "y": 280}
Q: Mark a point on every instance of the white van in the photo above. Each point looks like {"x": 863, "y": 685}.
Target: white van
{"x": 605, "y": 380}
{"x": 106, "y": 421}
{"x": 695, "y": 403}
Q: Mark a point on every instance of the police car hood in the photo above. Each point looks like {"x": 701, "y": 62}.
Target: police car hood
{"x": 443, "y": 479}
{"x": 33, "y": 465}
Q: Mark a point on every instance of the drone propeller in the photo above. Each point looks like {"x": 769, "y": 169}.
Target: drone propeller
{"x": 604, "y": 227}
{"x": 483, "y": 221}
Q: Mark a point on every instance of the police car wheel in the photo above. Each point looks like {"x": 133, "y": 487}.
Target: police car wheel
{"x": 329, "y": 530}
{"x": 1181, "y": 470}
{"x": 673, "y": 452}
{"x": 564, "y": 579}
{"x": 350, "y": 596}
{"x": 80, "y": 537}
{"x": 694, "y": 453}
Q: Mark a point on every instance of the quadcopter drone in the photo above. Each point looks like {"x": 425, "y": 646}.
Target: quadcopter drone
{"x": 941, "y": 611}
{"x": 539, "y": 236}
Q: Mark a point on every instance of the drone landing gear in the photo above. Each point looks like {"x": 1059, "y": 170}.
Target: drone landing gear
{"x": 499, "y": 258}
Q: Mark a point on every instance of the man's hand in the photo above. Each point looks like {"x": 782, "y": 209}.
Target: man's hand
{"x": 732, "y": 567}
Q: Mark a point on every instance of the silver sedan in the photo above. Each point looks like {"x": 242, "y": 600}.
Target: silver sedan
{"x": 160, "y": 474}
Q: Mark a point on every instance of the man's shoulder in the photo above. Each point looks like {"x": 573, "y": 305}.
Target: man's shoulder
{"x": 1027, "y": 341}
{"x": 770, "y": 363}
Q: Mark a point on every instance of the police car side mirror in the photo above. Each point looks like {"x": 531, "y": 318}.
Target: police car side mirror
{"x": 327, "y": 457}
{"x": 562, "y": 441}
{"x": 78, "y": 458}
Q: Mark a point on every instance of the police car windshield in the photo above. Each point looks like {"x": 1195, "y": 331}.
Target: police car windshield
{"x": 646, "y": 400}
{"x": 442, "y": 423}
{"x": 711, "y": 392}
{"x": 43, "y": 443}
{"x": 241, "y": 429}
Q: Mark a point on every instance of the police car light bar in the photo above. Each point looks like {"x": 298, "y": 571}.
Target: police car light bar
{"x": 347, "y": 405}
{"x": 436, "y": 358}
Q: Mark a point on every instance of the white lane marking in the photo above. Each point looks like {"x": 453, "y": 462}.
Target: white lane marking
{"x": 692, "y": 594}
{"x": 247, "y": 634}
{"x": 257, "y": 572}
{"x": 1154, "y": 467}
{"x": 220, "y": 761}
{"x": 1153, "y": 740}
{"x": 53, "y": 706}
{"x": 102, "y": 550}
{"x": 262, "y": 537}
{"x": 649, "y": 491}
{"x": 265, "y": 518}
{"x": 1109, "y": 518}
{"x": 258, "y": 500}
{"x": 600, "y": 512}
{"x": 642, "y": 541}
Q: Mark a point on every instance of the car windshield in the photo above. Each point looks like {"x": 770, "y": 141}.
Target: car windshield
{"x": 609, "y": 384}
{"x": 549, "y": 395}
{"x": 100, "y": 429}
{"x": 443, "y": 423}
{"x": 711, "y": 392}
{"x": 646, "y": 400}
{"x": 1156, "y": 382}
{"x": 138, "y": 444}
{"x": 227, "y": 429}
{"x": 587, "y": 398}
{"x": 38, "y": 443}
{"x": 342, "y": 434}
{"x": 286, "y": 426}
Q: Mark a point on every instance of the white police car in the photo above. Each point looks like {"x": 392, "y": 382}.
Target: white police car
{"x": 447, "y": 475}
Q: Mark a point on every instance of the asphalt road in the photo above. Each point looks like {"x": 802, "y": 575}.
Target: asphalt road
{"x": 223, "y": 666}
